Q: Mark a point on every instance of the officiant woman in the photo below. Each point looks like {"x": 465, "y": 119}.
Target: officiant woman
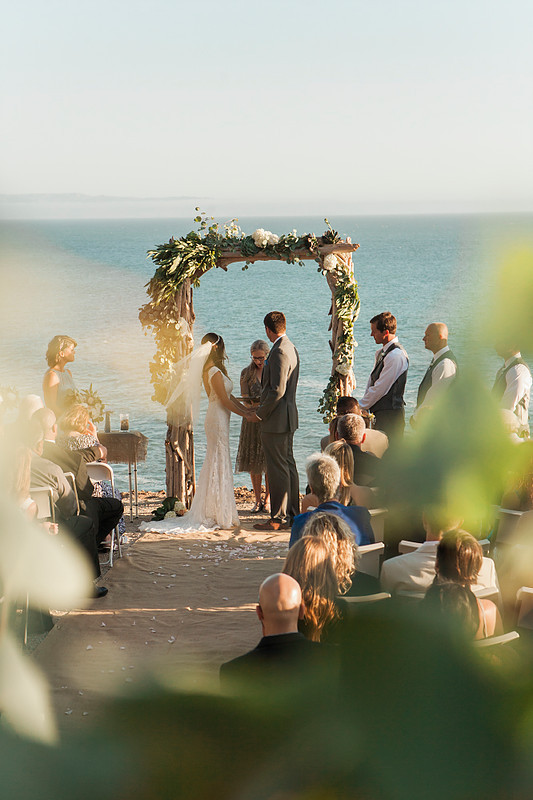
{"x": 250, "y": 456}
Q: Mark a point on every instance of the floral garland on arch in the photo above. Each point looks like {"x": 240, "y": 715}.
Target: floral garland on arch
{"x": 189, "y": 257}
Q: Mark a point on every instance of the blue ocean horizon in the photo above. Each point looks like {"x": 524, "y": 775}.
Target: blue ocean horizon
{"x": 86, "y": 278}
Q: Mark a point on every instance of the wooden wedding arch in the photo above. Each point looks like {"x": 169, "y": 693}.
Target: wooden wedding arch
{"x": 170, "y": 315}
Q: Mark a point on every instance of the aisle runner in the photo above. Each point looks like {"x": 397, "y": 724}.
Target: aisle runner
{"x": 177, "y": 605}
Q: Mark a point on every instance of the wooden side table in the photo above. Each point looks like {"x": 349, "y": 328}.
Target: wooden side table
{"x": 126, "y": 447}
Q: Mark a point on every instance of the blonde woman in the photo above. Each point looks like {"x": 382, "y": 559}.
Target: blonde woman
{"x": 250, "y": 456}
{"x": 77, "y": 432}
{"x": 58, "y": 384}
{"x": 348, "y": 494}
{"x": 309, "y": 562}
{"x": 344, "y": 553}
{"x": 76, "y": 429}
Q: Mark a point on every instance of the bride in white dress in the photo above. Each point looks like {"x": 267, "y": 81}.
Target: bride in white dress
{"x": 213, "y": 505}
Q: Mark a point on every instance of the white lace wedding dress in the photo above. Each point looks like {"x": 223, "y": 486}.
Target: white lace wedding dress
{"x": 213, "y": 505}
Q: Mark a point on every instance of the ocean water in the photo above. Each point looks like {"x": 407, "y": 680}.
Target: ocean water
{"x": 86, "y": 278}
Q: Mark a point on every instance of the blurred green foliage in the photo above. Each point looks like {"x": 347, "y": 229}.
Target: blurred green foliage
{"x": 511, "y": 307}
{"x": 402, "y": 711}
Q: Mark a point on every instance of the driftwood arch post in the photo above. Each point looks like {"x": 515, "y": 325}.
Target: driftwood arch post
{"x": 171, "y": 315}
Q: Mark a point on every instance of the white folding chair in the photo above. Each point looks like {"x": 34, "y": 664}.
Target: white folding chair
{"x": 377, "y": 520}
{"x": 407, "y": 546}
{"x": 495, "y": 641}
{"x": 72, "y": 480}
{"x": 524, "y": 606}
{"x": 43, "y": 497}
{"x": 100, "y": 471}
{"x": 489, "y": 593}
{"x": 366, "y": 598}
{"x": 370, "y": 558}
{"x": 508, "y": 520}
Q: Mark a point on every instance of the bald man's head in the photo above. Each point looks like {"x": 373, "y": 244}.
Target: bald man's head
{"x": 436, "y": 336}
{"x": 280, "y": 604}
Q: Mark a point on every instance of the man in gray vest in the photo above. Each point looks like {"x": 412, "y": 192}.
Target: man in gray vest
{"x": 278, "y": 416}
{"x": 512, "y": 386}
{"x": 441, "y": 371}
{"x": 383, "y": 396}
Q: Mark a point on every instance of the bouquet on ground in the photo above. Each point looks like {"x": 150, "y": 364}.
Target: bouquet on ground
{"x": 171, "y": 507}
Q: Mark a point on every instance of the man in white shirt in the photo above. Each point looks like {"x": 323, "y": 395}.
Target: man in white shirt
{"x": 383, "y": 396}
{"x": 441, "y": 371}
{"x": 414, "y": 572}
{"x": 512, "y": 386}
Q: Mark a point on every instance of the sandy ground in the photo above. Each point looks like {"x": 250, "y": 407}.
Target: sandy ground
{"x": 178, "y": 606}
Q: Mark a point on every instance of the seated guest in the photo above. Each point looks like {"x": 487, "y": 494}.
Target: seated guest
{"x": 99, "y": 515}
{"x": 344, "y": 553}
{"x": 323, "y": 475}
{"x": 459, "y": 560}
{"x": 17, "y": 479}
{"x": 352, "y": 429}
{"x": 310, "y": 563}
{"x": 283, "y": 651}
{"x": 456, "y": 604}
{"x": 69, "y": 461}
{"x": 348, "y": 493}
{"x": 77, "y": 432}
{"x": 415, "y": 572}
{"x": 345, "y": 405}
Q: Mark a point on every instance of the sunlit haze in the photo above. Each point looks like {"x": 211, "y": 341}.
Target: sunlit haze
{"x": 146, "y": 109}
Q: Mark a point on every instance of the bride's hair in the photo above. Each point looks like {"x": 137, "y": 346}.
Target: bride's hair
{"x": 217, "y": 355}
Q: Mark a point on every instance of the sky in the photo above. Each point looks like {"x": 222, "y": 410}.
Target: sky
{"x": 148, "y": 108}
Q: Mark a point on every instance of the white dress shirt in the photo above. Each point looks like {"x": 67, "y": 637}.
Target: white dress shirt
{"x": 518, "y": 389}
{"x": 440, "y": 378}
{"x": 395, "y": 363}
{"x": 415, "y": 572}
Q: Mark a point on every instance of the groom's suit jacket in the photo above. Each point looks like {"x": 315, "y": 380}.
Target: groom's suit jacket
{"x": 277, "y": 409}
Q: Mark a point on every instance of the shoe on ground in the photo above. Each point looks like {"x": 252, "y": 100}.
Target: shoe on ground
{"x": 100, "y": 591}
{"x": 270, "y": 525}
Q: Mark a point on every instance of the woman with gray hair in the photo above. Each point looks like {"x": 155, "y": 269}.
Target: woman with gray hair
{"x": 324, "y": 475}
{"x": 250, "y": 456}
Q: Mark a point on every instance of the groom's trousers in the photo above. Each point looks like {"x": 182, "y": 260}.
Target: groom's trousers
{"x": 282, "y": 475}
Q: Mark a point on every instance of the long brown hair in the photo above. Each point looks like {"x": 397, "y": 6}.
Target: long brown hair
{"x": 459, "y": 558}
{"x": 309, "y": 562}
{"x": 216, "y": 357}
{"x": 340, "y": 542}
{"x": 55, "y": 346}
{"x": 342, "y": 453}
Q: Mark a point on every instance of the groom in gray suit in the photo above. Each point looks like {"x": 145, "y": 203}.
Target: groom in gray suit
{"x": 278, "y": 416}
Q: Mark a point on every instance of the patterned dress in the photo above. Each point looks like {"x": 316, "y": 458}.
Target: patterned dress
{"x": 250, "y": 456}
{"x": 101, "y": 488}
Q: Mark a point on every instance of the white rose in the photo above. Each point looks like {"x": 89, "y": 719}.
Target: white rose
{"x": 343, "y": 368}
{"x": 180, "y": 508}
{"x": 330, "y": 262}
{"x": 272, "y": 238}
{"x": 260, "y": 237}
{"x": 170, "y": 514}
